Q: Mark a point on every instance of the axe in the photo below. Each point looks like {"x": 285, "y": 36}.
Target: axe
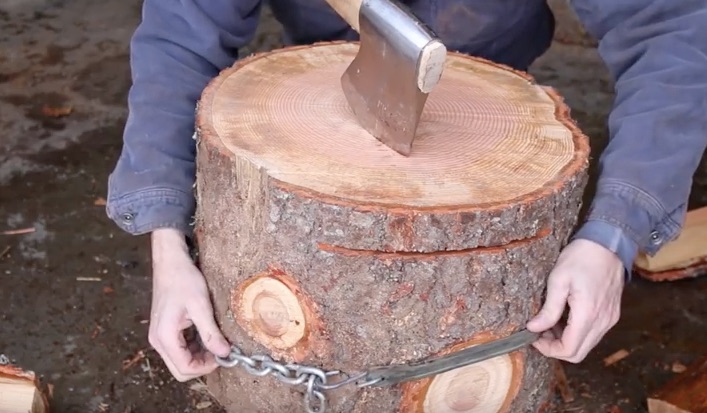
{"x": 399, "y": 62}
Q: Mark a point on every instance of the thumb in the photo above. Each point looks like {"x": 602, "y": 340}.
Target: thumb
{"x": 553, "y": 308}
{"x": 211, "y": 336}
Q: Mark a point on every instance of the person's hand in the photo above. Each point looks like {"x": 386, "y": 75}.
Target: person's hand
{"x": 589, "y": 278}
{"x": 180, "y": 300}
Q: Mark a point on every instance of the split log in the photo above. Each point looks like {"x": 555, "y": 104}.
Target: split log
{"x": 323, "y": 247}
{"x": 21, "y": 391}
{"x": 684, "y": 257}
{"x": 685, "y": 393}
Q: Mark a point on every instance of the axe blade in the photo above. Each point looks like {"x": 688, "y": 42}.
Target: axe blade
{"x": 398, "y": 63}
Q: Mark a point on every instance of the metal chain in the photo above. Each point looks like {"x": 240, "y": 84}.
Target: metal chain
{"x": 315, "y": 380}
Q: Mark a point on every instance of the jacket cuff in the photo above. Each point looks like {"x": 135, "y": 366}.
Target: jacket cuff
{"x": 639, "y": 216}
{"x": 612, "y": 238}
{"x": 144, "y": 211}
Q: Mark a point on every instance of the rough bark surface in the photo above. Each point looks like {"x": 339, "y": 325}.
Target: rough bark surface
{"x": 378, "y": 283}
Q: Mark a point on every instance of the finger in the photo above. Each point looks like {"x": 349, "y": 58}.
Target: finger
{"x": 185, "y": 363}
{"x": 173, "y": 369}
{"x": 579, "y": 325}
{"x": 201, "y": 314}
{"x": 600, "y": 328}
{"x": 154, "y": 339}
{"x": 176, "y": 349}
{"x": 548, "y": 336}
{"x": 554, "y": 306}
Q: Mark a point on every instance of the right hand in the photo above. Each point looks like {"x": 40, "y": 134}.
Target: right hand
{"x": 180, "y": 300}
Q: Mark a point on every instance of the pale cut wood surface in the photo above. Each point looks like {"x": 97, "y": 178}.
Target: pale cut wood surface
{"x": 689, "y": 248}
{"x": 20, "y": 392}
{"x": 487, "y": 386}
{"x": 486, "y": 135}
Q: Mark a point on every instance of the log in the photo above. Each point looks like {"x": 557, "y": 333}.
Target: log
{"x": 323, "y": 247}
{"x": 684, "y": 257}
{"x": 21, "y": 391}
{"x": 685, "y": 393}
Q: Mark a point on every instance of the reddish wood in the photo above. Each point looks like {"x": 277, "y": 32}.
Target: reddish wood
{"x": 695, "y": 270}
{"x": 685, "y": 393}
{"x": 383, "y": 263}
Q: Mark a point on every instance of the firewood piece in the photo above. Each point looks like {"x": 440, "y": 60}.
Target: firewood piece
{"x": 685, "y": 393}
{"x": 385, "y": 258}
{"x": 689, "y": 249}
{"x": 695, "y": 270}
{"x": 21, "y": 391}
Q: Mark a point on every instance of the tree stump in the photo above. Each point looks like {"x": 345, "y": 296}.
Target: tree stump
{"x": 323, "y": 247}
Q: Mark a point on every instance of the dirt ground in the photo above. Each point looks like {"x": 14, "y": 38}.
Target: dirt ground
{"x": 75, "y": 292}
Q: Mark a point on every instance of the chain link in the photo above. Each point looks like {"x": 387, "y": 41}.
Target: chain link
{"x": 315, "y": 380}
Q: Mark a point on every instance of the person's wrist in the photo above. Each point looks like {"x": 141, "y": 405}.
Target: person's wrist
{"x": 168, "y": 244}
{"x": 613, "y": 239}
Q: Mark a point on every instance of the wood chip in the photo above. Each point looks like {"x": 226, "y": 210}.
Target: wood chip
{"x": 562, "y": 383}
{"x": 203, "y": 405}
{"x": 616, "y": 357}
{"x": 18, "y": 231}
{"x": 89, "y": 279}
{"x": 56, "y": 111}
{"x": 131, "y": 361}
{"x": 678, "y": 367}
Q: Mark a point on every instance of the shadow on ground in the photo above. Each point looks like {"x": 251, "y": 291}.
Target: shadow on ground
{"x": 75, "y": 291}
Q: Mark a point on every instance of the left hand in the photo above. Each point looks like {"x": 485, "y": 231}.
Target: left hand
{"x": 590, "y": 279}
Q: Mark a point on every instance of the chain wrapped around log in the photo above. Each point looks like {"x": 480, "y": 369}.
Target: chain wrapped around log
{"x": 317, "y": 380}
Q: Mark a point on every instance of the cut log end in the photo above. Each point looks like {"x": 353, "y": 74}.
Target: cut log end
{"x": 272, "y": 310}
{"x": 485, "y": 136}
{"x": 478, "y": 388}
{"x": 21, "y": 391}
{"x": 485, "y": 387}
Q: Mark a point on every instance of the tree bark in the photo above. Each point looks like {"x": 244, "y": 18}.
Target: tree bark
{"x": 323, "y": 247}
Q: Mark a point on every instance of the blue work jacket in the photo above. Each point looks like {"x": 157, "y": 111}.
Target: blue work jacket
{"x": 656, "y": 52}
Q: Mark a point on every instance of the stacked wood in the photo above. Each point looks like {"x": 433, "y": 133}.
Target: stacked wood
{"x": 21, "y": 391}
{"x": 684, "y": 257}
{"x": 323, "y": 247}
{"x": 685, "y": 393}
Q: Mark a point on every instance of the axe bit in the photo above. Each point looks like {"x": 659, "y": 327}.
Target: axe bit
{"x": 398, "y": 63}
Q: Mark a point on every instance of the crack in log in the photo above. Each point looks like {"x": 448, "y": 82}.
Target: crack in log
{"x": 386, "y": 255}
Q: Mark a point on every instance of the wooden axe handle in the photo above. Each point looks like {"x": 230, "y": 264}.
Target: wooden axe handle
{"x": 432, "y": 56}
{"x": 348, "y": 10}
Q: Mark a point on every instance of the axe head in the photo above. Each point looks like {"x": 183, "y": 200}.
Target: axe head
{"x": 398, "y": 63}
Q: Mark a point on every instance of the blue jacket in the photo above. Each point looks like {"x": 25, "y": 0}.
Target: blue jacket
{"x": 655, "y": 50}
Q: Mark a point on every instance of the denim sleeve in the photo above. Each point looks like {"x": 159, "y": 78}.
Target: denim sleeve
{"x": 656, "y": 52}
{"x": 178, "y": 47}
